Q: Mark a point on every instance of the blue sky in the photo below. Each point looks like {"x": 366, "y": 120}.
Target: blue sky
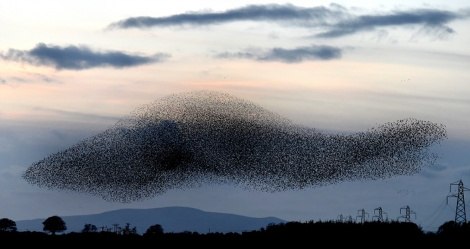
{"x": 71, "y": 70}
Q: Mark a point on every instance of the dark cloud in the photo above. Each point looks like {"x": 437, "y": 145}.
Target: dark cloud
{"x": 295, "y": 55}
{"x": 335, "y": 20}
{"x": 78, "y": 58}
{"x": 271, "y": 12}
{"x": 427, "y": 18}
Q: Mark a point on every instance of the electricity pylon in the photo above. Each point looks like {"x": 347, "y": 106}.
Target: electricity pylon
{"x": 460, "y": 215}
{"x": 348, "y": 219}
{"x": 116, "y": 228}
{"x": 407, "y": 215}
{"x": 340, "y": 218}
{"x": 362, "y": 215}
{"x": 380, "y": 215}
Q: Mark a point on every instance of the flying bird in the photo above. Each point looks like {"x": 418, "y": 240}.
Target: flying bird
{"x": 197, "y": 138}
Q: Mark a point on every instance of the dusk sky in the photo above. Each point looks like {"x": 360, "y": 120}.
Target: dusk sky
{"x": 71, "y": 69}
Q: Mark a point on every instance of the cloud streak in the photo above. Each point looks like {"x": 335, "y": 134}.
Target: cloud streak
{"x": 78, "y": 57}
{"x": 426, "y": 18}
{"x": 333, "y": 21}
{"x": 294, "y": 55}
{"x": 272, "y": 12}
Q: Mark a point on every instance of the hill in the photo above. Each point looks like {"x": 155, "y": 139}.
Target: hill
{"x": 172, "y": 219}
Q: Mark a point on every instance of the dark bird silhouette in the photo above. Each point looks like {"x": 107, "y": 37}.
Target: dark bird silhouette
{"x": 189, "y": 139}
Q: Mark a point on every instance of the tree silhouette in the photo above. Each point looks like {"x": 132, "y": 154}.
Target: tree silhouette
{"x": 7, "y": 225}
{"x": 54, "y": 224}
{"x": 154, "y": 230}
{"x": 89, "y": 228}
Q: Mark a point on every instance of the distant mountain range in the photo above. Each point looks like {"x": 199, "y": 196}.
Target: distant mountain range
{"x": 172, "y": 219}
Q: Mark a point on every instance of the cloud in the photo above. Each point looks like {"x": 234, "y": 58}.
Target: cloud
{"x": 271, "y": 12}
{"x": 78, "y": 58}
{"x": 43, "y": 77}
{"x": 427, "y": 18}
{"x": 295, "y": 55}
{"x": 75, "y": 115}
{"x": 30, "y": 78}
{"x": 333, "y": 21}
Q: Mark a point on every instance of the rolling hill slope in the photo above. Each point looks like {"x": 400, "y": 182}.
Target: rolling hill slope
{"x": 172, "y": 219}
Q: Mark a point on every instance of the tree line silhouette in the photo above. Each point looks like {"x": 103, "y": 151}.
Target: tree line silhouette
{"x": 291, "y": 233}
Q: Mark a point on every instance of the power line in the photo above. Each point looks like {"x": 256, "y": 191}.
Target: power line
{"x": 436, "y": 214}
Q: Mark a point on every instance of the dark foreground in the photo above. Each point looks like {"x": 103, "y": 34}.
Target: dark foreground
{"x": 291, "y": 234}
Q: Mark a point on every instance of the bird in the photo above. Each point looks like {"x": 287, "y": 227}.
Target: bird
{"x": 190, "y": 139}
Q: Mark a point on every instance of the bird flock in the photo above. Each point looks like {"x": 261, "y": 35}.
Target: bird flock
{"x": 191, "y": 139}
